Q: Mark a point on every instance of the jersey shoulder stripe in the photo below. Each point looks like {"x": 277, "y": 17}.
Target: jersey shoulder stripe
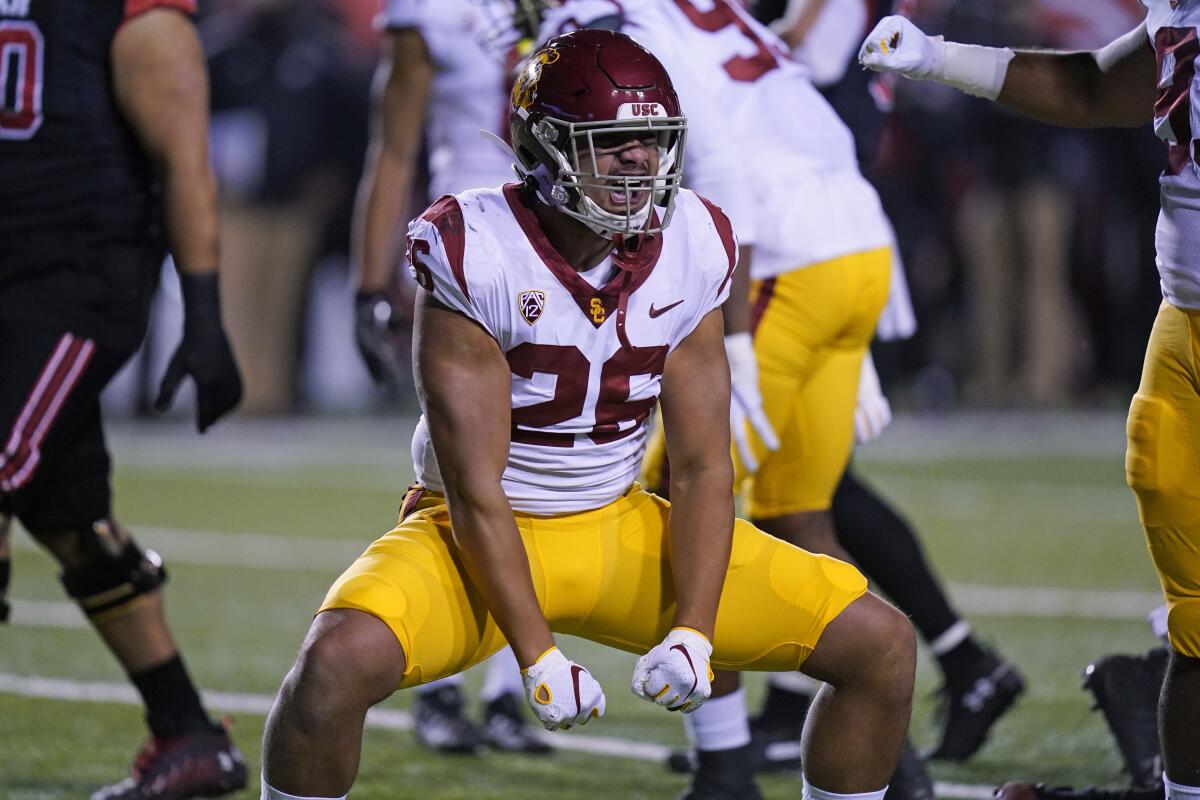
{"x": 725, "y": 231}
{"x": 446, "y": 215}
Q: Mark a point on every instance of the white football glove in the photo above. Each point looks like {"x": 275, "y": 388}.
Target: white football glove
{"x": 561, "y": 692}
{"x": 746, "y": 403}
{"x": 873, "y": 412}
{"x": 896, "y": 45}
{"x": 676, "y": 674}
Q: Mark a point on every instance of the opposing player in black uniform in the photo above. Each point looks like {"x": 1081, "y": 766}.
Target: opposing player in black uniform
{"x": 103, "y": 169}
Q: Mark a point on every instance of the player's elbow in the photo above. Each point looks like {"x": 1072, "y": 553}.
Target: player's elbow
{"x": 702, "y": 474}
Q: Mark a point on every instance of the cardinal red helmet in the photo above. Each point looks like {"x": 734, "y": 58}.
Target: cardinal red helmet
{"x": 583, "y": 85}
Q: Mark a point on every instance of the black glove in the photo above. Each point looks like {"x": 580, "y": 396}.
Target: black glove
{"x": 204, "y": 354}
{"x": 376, "y": 321}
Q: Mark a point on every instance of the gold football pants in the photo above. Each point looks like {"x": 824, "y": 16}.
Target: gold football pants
{"x": 1162, "y": 466}
{"x": 603, "y": 574}
{"x": 812, "y": 328}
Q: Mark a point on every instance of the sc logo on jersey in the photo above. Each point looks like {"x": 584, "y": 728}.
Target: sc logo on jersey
{"x": 531, "y": 303}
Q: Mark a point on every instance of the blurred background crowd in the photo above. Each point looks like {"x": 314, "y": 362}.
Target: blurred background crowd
{"x": 1029, "y": 250}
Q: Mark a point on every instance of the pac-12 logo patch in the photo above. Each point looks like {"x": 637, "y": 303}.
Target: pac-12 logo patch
{"x": 532, "y": 303}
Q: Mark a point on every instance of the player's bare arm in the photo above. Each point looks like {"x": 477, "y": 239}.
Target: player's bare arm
{"x": 463, "y": 382}
{"x": 161, "y": 86}
{"x": 695, "y": 407}
{"x": 1110, "y": 87}
{"x": 401, "y": 92}
{"x": 160, "y": 82}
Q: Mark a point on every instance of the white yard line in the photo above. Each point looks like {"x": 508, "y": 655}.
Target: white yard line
{"x": 390, "y": 719}
{"x": 277, "y": 553}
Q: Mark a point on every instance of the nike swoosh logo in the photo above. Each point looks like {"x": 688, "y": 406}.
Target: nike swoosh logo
{"x": 688, "y": 656}
{"x": 658, "y": 312}
{"x": 576, "y": 671}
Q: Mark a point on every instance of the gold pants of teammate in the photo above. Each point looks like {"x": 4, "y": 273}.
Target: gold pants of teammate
{"x": 604, "y": 575}
{"x": 1162, "y": 466}
{"x": 812, "y": 328}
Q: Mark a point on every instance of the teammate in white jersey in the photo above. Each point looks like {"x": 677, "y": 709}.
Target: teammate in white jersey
{"x": 553, "y": 314}
{"x": 1147, "y": 75}
{"x": 438, "y": 83}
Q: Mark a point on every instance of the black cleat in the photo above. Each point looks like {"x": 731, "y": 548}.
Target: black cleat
{"x": 199, "y": 764}
{"x": 441, "y": 724}
{"x": 504, "y": 728}
{"x": 776, "y": 748}
{"x": 723, "y": 775}
{"x": 1040, "y": 791}
{"x": 911, "y": 779}
{"x": 682, "y": 761}
{"x": 1126, "y": 689}
{"x": 972, "y": 705}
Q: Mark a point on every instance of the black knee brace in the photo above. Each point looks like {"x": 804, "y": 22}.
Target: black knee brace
{"x": 116, "y": 571}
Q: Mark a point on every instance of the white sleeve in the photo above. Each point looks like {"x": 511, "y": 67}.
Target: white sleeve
{"x": 710, "y": 168}
{"x": 833, "y": 40}
{"x": 402, "y": 14}
{"x": 438, "y": 262}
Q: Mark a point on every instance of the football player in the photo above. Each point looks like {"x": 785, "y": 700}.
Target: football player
{"x": 103, "y": 170}
{"x": 440, "y": 83}
{"x": 825, "y": 38}
{"x": 553, "y": 313}
{"x": 1147, "y": 75}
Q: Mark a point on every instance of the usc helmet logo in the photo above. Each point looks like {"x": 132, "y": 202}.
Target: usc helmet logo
{"x": 525, "y": 87}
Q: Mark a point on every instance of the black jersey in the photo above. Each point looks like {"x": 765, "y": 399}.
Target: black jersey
{"x": 80, "y": 213}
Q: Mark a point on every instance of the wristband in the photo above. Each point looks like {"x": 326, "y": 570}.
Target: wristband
{"x": 201, "y": 296}
{"x": 973, "y": 69}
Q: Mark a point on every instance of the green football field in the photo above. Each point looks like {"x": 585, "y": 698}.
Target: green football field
{"x": 1026, "y": 518}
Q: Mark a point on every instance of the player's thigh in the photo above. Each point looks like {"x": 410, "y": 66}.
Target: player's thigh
{"x": 816, "y": 442}
{"x": 412, "y": 579}
{"x": 53, "y": 461}
{"x": 1162, "y": 466}
{"x": 776, "y": 600}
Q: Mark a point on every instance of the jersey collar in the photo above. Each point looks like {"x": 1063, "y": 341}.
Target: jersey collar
{"x": 634, "y": 266}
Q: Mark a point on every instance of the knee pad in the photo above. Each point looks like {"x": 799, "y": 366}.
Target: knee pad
{"x": 1158, "y": 463}
{"x": 113, "y": 571}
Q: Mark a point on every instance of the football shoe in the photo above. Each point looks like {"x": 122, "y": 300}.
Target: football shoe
{"x": 195, "y": 764}
{"x": 971, "y": 705}
{"x": 723, "y": 775}
{"x": 911, "y": 779}
{"x": 442, "y": 726}
{"x": 504, "y": 727}
{"x": 1126, "y": 689}
{"x": 1040, "y": 791}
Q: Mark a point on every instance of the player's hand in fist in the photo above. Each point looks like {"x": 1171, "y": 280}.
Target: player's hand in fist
{"x": 896, "y": 45}
{"x": 676, "y": 674}
{"x": 561, "y": 692}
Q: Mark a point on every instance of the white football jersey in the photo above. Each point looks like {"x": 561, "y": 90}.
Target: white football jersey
{"x": 469, "y": 93}
{"x": 762, "y": 141}
{"x": 586, "y": 362}
{"x": 1173, "y": 29}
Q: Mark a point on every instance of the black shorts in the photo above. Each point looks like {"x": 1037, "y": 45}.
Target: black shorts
{"x": 54, "y": 464}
